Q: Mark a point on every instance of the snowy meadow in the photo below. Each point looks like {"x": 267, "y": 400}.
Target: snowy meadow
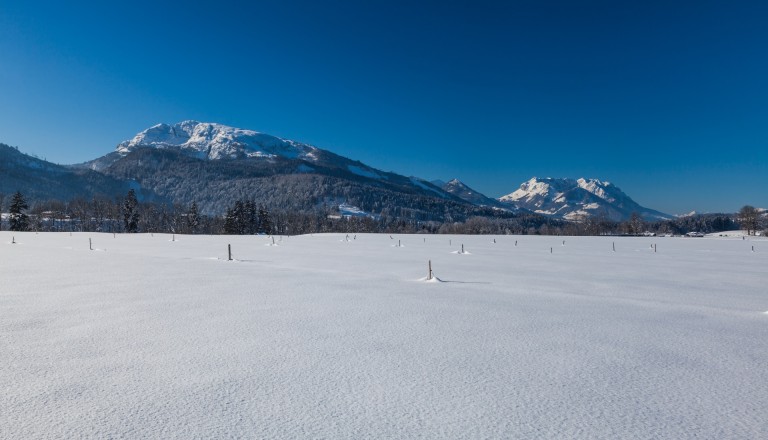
{"x": 336, "y": 336}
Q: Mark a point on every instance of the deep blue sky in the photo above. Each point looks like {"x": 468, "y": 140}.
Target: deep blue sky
{"x": 668, "y": 100}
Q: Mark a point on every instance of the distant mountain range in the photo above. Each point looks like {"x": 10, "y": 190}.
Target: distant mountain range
{"x": 573, "y": 199}
{"x": 40, "y": 180}
{"x": 214, "y": 165}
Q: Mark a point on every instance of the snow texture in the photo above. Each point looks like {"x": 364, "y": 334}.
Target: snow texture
{"x": 318, "y": 338}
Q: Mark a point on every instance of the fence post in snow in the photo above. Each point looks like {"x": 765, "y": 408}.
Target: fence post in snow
{"x": 90, "y": 244}
{"x": 430, "y": 270}
{"x": 14, "y": 240}
{"x": 614, "y": 246}
{"x": 462, "y": 248}
{"x": 229, "y": 250}
{"x": 551, "y": 250}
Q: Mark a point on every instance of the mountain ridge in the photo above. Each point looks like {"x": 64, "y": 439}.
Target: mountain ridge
{"x": 462, "y": 190}
{"x": 40, "y": 179}
{"x": 213, "y": 164}
{"x": 572, "y": 199}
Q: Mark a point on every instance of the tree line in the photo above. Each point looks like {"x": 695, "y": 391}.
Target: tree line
{"x": 246, "y": 216}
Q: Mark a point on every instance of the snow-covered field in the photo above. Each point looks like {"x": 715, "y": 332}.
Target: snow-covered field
{"x": 319, "y": 337}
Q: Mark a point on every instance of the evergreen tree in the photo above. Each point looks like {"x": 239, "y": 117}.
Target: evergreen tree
{"x": 131, "y": 212}
{"x": 230, "y": 225}
{"x": 18, "y": 220}
{"x": 250, "y": 217}
{"x": 265, "y": 222}
{"x": 193, "y": 218}
{"x": 235, "y": 221}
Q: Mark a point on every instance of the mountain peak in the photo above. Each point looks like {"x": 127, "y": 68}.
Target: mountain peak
{"x": 461, "y": 190}
{"x": 207, "y": 140}
{"x": 573, "y": 198}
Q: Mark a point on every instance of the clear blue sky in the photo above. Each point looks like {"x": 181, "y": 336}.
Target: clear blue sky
{"x": 668, "y": 100}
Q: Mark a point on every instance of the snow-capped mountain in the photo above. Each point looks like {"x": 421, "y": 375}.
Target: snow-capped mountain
{"x": 215, "y": 141}
{"x": 571, "y": 199}
{"x": 461, "y": 190}
{"x": 214, "y": 164}
{"x": 210, "y": 141}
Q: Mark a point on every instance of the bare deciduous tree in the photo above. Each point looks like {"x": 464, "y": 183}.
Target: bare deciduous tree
{"x": 748, "y": 218}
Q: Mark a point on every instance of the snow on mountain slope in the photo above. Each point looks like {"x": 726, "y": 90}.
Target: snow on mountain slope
{"x": 213, "y": 163}
{"x": 571, "y": 199}
{"x": 215, "y": 141}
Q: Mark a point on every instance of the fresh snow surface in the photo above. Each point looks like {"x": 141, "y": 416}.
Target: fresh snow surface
{"x": 324, "y": 338}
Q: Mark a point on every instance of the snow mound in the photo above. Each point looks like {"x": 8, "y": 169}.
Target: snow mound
{"x": 433, "y": 280}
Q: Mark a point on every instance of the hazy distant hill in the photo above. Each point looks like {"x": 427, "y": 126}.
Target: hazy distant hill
{"x": 41, "y": 180}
